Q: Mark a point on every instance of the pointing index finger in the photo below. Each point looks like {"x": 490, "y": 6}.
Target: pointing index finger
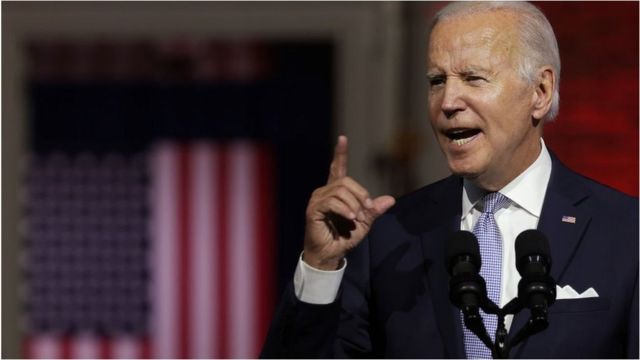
{"x": 338, "y": 167}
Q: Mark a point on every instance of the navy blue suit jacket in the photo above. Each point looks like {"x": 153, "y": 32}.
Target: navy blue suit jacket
{"x": 393, "y": 300}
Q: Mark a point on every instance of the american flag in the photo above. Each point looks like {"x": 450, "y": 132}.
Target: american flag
{"x": 164, "y": 254}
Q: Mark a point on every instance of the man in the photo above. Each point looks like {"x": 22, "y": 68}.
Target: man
{"x": 372, "y": 282}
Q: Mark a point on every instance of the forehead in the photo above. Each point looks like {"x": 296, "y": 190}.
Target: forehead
{"x": 480, "y": 37}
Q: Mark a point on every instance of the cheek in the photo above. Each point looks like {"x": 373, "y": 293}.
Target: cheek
{"x": 496, "y": 96}
{"x": 433, "y": 109}
{"x": 505, "y": 108}
{"x": 518, "y": 97}
{"x": 433, "y": 102}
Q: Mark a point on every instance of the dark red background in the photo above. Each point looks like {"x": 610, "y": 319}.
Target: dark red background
{"x": 596, "y": 132}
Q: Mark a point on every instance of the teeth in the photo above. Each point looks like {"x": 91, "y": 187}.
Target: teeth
{"x": 461, "y": 142}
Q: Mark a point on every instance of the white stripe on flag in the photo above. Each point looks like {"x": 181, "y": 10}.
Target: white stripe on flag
{"x": 45, "y": 347}
{"x": 203, "y": 192}
{"x": 242, "y": 234}
{"x": 85, "y": 346}
{"x": 164, "y": 278}
{"x": 126, "y": 348}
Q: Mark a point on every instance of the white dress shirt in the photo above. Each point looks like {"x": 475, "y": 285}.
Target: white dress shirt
{"x": 526, "y": 193}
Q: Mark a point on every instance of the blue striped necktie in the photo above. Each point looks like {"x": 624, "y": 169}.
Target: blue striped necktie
{"x": 490, "y": 241}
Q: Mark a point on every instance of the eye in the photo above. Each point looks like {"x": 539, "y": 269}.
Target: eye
{"x": 436, "y": 80}
{"x": 474, "y": 78}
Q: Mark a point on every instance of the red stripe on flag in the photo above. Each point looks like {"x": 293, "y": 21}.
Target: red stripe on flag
{"x": 183, "y": 251}
{"x": 146, "y": 348}
{"x": 223, "y": 231}
{"x": 241, "y": 243}
{"x": 66, "y": 350}
{"x": 105, "y": 348}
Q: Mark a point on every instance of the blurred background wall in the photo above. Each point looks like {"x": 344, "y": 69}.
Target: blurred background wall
{"x": 157, "y": 157}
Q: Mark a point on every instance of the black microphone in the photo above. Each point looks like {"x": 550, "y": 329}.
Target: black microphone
{"x": 463, "y": 253}
{"x": 467, "y": 289}
{"x": 466, "y": 286}
{"x": 536, "y": 289}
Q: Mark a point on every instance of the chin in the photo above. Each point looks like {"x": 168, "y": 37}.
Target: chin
{"x": 466, "y": 166}
{"x": 469, "y": 165}
{"x": 463, "y": 171}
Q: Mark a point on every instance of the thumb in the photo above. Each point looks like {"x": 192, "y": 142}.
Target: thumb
{"x": 380, "y": 205}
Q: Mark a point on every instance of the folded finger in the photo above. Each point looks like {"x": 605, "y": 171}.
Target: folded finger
{"x": 335, "y": 205}
{"x": 358, "y": 191}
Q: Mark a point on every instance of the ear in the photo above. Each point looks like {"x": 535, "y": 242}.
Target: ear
{"x": 543, "y": 92}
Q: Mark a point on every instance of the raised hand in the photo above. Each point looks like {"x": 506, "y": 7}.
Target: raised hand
{"x": 339, "y": 214}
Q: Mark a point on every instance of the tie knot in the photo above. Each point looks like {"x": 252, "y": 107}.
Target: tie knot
{"x": 493, "y": 202}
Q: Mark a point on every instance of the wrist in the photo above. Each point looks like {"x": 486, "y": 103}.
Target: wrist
{"x": 330, "y": 264}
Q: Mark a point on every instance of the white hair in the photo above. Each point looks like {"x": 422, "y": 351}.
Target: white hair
{"x": 539, "y": 44}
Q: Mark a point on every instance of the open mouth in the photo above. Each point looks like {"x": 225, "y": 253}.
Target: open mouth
{"x": 461, "y": 136}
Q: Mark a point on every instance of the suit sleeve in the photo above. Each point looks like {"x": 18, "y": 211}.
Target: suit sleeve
{"x": 336, "y": 330}
{"x": 302, "y": 330}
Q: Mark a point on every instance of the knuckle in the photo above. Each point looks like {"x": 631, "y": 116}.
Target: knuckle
{"x": 342, "y": 191}
{"x": 309, "y": 211}
{"x": 339, "y": 205}
{"x": 312, "y": 204}
{"x": 330, "y": 202}
{"x": 320, "y": 192}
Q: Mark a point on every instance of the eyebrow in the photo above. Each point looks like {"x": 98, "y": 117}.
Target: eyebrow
{"x": 473, "y": 70}
{"x": 466, "y": 71}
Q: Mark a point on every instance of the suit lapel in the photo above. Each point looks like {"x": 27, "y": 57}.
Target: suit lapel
{"x": 441, "y": 223}
{"x": 563, "y": 221}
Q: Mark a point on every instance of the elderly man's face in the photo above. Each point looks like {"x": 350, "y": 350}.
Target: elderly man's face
{"x": 479, "y": 105}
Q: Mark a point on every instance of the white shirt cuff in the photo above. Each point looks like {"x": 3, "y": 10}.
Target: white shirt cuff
{"x": 315, "y": 286}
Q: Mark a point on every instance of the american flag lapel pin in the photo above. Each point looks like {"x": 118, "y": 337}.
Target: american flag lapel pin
{"x": 569, "y": 219}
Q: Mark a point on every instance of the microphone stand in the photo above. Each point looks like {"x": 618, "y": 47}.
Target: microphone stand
{"x": 473, "y": 321}
{"x": 537, "y": 322}
{"x": 502, "y": 345}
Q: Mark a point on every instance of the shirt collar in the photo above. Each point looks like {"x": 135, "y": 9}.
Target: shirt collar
{"x": 527, "y": 190}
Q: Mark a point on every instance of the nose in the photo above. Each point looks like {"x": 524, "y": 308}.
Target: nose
{"x": 452, "y": 99}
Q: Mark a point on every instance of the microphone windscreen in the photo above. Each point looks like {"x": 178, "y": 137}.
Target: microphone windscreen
{"x": 463, "y": 243}
{"x": 532, "y": 242}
